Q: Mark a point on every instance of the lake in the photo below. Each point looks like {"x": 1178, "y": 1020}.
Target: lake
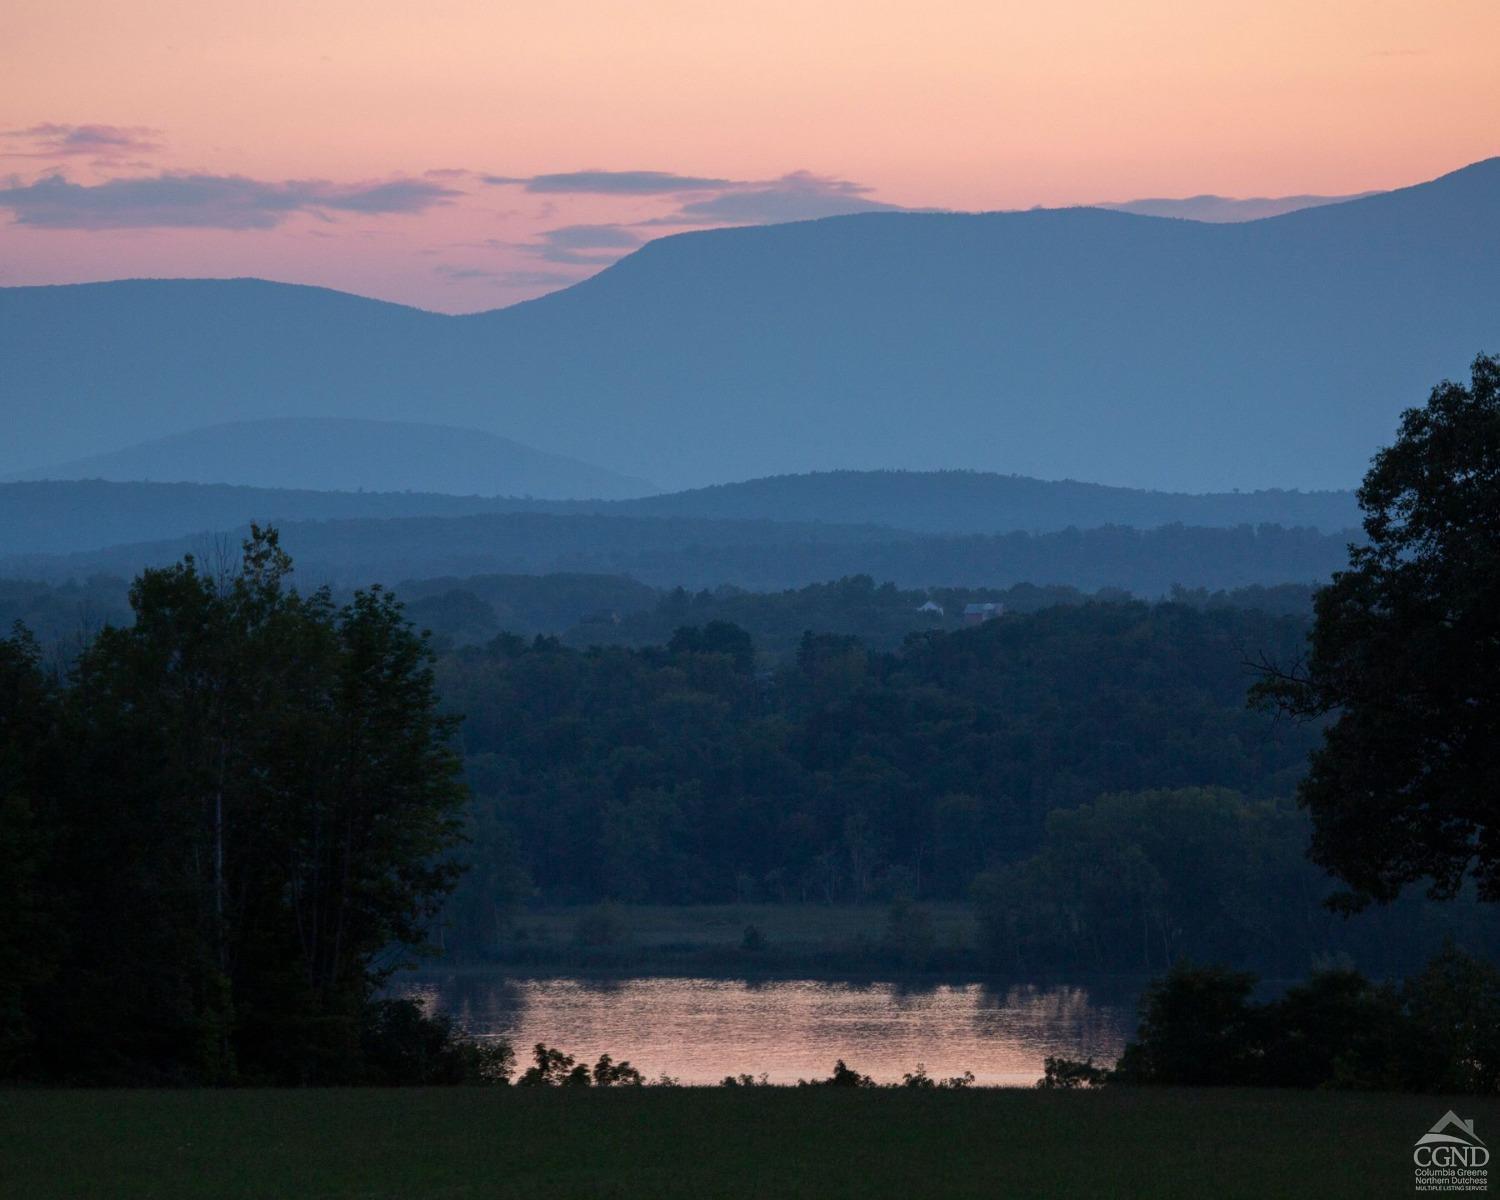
{"x": 699, "y": 1030}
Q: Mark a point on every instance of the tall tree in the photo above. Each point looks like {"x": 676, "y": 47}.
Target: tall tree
{"x": 1405, "y": 653}
{"x": 264, "y": 803}
{"x": 28, "y": 775}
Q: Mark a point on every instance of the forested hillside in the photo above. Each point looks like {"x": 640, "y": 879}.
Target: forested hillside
{"x": 761, "y": 555}
{"x": 1076, "y": 768}
{"x": 63, "y": 516}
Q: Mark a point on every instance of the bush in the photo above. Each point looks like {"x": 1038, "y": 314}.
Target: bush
{"x": 1455, "y": 1005}
{"x": 843, "y": 1076}
{"x": 403, "y": 1046}
{"x": 1438, "y": 1032}
{"x": 1069, "y": 1073}
{"x": 922, "y": 1081}
{"x": 1197, "y": 1028}
{"x": 608, "y": 1073}
{"x": 552, "y": 1068}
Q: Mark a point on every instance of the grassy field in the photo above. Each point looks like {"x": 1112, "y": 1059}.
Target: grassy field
{"x": 663, "y": 1143}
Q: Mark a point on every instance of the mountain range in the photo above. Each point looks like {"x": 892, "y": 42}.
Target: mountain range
{"x": 1078, "y": 343}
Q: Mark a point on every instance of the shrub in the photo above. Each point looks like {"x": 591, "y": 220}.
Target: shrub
{"x": 843, "y": 1076}
{"x": 1069, "y": 1073}
{"x": 921, "y": 1080}
{"x": 403, "y": 1046}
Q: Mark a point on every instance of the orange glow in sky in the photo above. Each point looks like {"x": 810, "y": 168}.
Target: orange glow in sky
{"x": 970, "y": 104}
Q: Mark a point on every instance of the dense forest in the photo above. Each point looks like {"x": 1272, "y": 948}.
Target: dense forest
{"x": 1087, "y": 772}
{"x": 1085, "y": 768}
{"x": 592, "y": 610}
{"x": 1090, "y": 773}
{"x": 681, "y": 773}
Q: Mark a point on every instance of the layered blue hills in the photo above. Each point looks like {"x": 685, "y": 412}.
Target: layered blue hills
{"x": 1080, "y": 343}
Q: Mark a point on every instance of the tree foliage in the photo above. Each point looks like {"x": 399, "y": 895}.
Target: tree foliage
{"x": 678, "y": 773}
{"x": 256, "y": 819}
{"x": 1438, "y": 1031}
{"x": 1405, "y": 650}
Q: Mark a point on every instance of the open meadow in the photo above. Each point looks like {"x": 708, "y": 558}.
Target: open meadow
{"x": 456, "y": 1143}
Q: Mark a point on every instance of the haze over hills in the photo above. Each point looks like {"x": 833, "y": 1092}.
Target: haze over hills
{"x": 343, "y": 454}
{"x": 982, "y": 502}
{"x": 1074, "y": 343}
{"x": 760, "y": 555}
{"x": 59, "y": 517}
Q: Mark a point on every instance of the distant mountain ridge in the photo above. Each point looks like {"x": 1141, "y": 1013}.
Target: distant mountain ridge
{"x": 1077, "y": 343}
{"x": 760, "y": 555}
{"x": 346, "y": 454}
{"x": 1226, "y": 208}
{"x": 61, "y": 517}
{"x": 982, "y": 502}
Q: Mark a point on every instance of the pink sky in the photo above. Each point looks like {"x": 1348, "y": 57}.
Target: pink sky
{"x": 348, "y": 143}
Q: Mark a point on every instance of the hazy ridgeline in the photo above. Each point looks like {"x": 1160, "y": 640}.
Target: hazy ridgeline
{"x": 72, "y": 512}
{"x": 762, "y": 555}
{"x": 1077, "y": 342}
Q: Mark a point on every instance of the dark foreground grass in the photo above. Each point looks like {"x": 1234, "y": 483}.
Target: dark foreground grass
{"x": 698, "y": 1142}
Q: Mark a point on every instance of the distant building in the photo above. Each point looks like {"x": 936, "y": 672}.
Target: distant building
{"x": 933, "y": 607}
{"x": 978, "y": 614}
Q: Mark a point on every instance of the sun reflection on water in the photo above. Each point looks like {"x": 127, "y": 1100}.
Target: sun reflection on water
{"x": 700, "y": 1030}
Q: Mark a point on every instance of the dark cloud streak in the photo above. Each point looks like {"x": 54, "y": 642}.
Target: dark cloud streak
{"x": 103, "y": 142}
{"x": 799, "y": 196}
{"x": 612, "y": 183}
{"x": 196, "y": 201}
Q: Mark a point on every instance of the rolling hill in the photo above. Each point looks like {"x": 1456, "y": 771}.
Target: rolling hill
{"x": 61, "y": 517}
{"x": 1077, "y": 343}
{"x": 759, "y": 555}
{"x": 333, "y": 454}
{"x": 983, "y": 502}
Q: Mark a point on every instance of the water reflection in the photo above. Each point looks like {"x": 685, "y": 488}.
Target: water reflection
{"x": 703, "y": 1029}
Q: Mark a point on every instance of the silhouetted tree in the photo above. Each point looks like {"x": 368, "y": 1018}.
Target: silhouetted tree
{"x": 1405, "y": 652}
{"x": 258, "y": 824}
{"x": 29, "y": 775}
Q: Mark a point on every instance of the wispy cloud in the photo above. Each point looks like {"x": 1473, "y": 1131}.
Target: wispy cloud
{"x": 584, "y": 245}
{"x": 195, "y": 201}
{"x": 799, "y": 196}
{"x": 613, "y": 183}
{"x": 52, "y": 140}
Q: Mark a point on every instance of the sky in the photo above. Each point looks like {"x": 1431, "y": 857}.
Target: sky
{"x": 466, "y": 154}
